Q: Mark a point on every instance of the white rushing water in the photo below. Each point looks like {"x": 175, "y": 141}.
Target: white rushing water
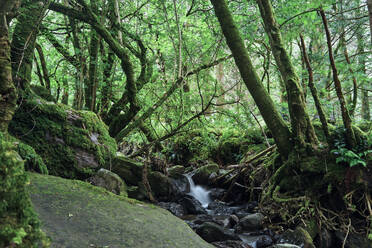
{"x": 199, "y": 193}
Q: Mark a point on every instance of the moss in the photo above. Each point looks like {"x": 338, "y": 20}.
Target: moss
{"x": 176, "y": 171}
{"x": 77, "y": 214}
{"x": 128, "y": 169}
{"x": 319, "y": 130}
{"x": 32, "y": 160}
{"x": 203, "y": 173}
{"x": 19, "y": 225}
{"x": 73, "y": 144}
{"x": 232, "y": 145}
{"x": 43, "y": 93}
{"x": 192, "y": 147}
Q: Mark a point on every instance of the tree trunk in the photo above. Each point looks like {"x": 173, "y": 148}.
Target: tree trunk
{"x": 303, "y": 131}
{"x": 82, "y": 68}
{"x": 23, "y": 42}
{"x": 350, "y": 137}
{"x": 108, "y": 61}
{"x": 362, "y": 68}
{"x": 265, "y": 104}
{"x": 369, "y": 3}
{"x": 314, "y": 92}
{"x": 43, "y": 66}
{"x": 8, "y": 93}
{"x": 91, "y": 87}
{"x": 362, "y": 65}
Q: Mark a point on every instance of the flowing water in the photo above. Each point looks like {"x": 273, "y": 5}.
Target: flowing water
{"x": 199, "y": 193}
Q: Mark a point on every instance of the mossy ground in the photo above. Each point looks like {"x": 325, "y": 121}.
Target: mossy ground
{"x": 77, "y": 214}
{"x": 58, "y": 133}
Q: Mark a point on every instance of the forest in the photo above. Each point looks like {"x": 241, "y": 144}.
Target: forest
{"x": 185, "y": 123}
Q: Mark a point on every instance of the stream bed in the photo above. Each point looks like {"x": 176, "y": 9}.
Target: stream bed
{"x": 223, "y": 224}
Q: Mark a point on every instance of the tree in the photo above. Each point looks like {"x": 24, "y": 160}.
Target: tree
{"x": 302, "y": 129}
{"x": 8, "y": 93}
{"x": 265, "y": 104}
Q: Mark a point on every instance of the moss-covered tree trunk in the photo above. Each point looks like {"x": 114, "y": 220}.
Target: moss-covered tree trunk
{"x": 362, "y": 68}
{"x": 43, "y": 65}
{"x": 91, "y": 87}
{"x": 265, "y": 104}
{"x": 369, "y": 3}
{"x": 314, "y": 92}
{"x": 23, "y": 42}
{"x": 302, "y": 129}
{"x": 350, "y": 137}
{"x": 8, "y": 93}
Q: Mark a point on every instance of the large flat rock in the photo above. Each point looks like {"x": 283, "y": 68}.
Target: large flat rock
{"x": 77, "y": 214}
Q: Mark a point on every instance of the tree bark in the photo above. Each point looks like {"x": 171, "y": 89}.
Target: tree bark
{"x": 314, "y": 92}
{"x": 23, "y": 42}
{"x": 8, "y": 93}
{"x": 273, "y": 120}
{"x": 369, "y": 3}
{"x": 362, "y": 65}
{"x": 91, "y": 87}
{"x": 350, "y": 137}
{"x": 303, "y": 130}
{"x": 43, "y": 66}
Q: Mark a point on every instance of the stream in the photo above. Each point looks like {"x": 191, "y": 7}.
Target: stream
{"x": 220, "y": 223}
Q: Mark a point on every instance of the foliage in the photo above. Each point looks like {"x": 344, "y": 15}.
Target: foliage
{"x": 350, "y": 157}
{"x": 194, "y": 146}
{"x": 19, "y": 225}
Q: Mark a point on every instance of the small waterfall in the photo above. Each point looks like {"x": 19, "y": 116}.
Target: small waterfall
{"x": 199, "y": 193}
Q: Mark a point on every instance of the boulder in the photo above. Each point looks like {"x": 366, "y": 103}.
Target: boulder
{"x": 72, "y": 144}
{"x": 298, "y": 237}
{"x": 128, "y": 169}
{"x": 176, "y": 171}
{"x": 217, "y": 193}
{"x": 175, "y": 208}
{"x": 231, "y": 244}
{"x": 32, "y": 160}
{"x": 76, "y": 214}
{"x": 251, "y": 222}
{"x": 211, "y": 232}
{"x": 202, "y": 174}
{"x": 110, "y": 181}
{"x": 182, "y": 184}
{"x": 264, "y": 241}
{"x": 284, "y": 246}
{"x": 161, "y": 186}
{"x": 192, "y": 206}
{"x": 137, "y": 192}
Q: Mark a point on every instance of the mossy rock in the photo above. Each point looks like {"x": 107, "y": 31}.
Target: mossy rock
{"x": 110, "y": 181}
{"x": 176, "y": 171}
{"x": 76, "y": 214}
{"x": 42, "y": 92}
{"x": 202, "y": 174}
{"x": 299, "y": 237}
{"x": 32, "y": 160}
{"x": 73, "y": 144}
{"x": 161, "y": 185}
{"x": 128, "y": 169}
{"x": 19, "y": 225}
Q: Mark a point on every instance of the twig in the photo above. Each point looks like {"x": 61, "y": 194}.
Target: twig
{"x": 347, "y": 234}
